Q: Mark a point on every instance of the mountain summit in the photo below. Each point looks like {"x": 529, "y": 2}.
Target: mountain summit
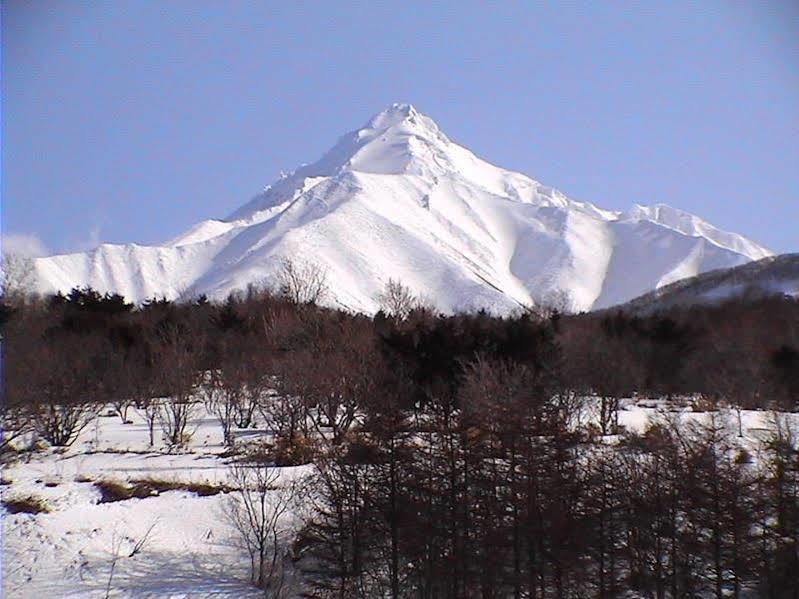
{"x": 397, "y": 199}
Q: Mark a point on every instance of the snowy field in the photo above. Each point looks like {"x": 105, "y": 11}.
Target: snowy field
{"x": 182, "y": 543}
{"x": 191, "y": 550}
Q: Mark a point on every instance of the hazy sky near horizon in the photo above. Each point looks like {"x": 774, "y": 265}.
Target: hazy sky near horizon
{"x": 129, "y": 121}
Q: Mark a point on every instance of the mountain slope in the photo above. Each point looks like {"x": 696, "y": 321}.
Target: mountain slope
{"x": 775, "y": 275}
{"x": 397, "y": 199}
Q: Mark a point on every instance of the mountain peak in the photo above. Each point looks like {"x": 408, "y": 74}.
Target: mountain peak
{"x": 393, "y": 115}
{"x": 398, "y": 140}
{"x": 397, "y": 197}
{"x": 403, "y": 120}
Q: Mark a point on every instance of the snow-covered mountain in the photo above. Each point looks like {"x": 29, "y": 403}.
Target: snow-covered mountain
{"x": 775, "y": 275}
{"x": 397, "y": 199}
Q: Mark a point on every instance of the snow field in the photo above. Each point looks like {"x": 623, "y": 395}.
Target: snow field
{"x": 189, "y": 548}
{"x": 191, "y": 551}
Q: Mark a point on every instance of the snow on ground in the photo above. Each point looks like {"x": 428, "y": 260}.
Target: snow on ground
{"x": 191, "y": 550}
{"x": 757, "y": 426}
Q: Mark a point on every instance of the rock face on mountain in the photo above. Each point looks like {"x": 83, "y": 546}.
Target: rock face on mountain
{"x": 397, "y": 199}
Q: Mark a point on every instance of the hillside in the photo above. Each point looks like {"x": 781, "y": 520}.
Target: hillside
{"x": 775, "y": 275}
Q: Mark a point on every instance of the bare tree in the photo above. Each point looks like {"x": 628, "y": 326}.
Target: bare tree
{"x": 149, "y": 409}
{"x": 63, "y": 387}
{"x": 256, "y": 365}
{"x": 302, "y": 282}
{"x": 15, "y": 422}
{"x": 731, "y": 368}
{"x": 138, "y": 380}
{"x": 179, "y": 370}
{"x": 54, "y": 380}
{"x": 781, "y": 462}
{"x": 17, "y": 274}
{"x": 554, "y": 303}
{"x": 259, "y": 513}
{"x": 118, "y": 375}
{"x": 397, "y": 300}
{"x": 16, "y": 415}
{"x": 602, "y": 364}
{"x": 333, "y": 376}
{"x": 286, "y": 416}
{"x": 173, "y": 418}
{"x": 222, "y": 390}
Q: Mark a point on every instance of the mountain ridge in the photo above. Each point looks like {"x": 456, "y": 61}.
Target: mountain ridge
{"x": 769, "y": 276}
{"x": 398, "y": 199}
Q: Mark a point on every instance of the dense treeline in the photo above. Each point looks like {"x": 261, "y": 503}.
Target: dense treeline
{"x": 466, "y": 455}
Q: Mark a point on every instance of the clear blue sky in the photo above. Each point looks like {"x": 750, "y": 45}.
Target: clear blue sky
{"x": 131, "y": 120}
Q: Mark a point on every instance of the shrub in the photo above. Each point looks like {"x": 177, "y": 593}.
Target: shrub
{"x": 704, "y": 403}
{"x": 302, "y": 451}
{"x": 201, "y": 488}
{"x": 112, "y": 491}
{"x": 26, "y": 505}
{"x": 742, "y": 456}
